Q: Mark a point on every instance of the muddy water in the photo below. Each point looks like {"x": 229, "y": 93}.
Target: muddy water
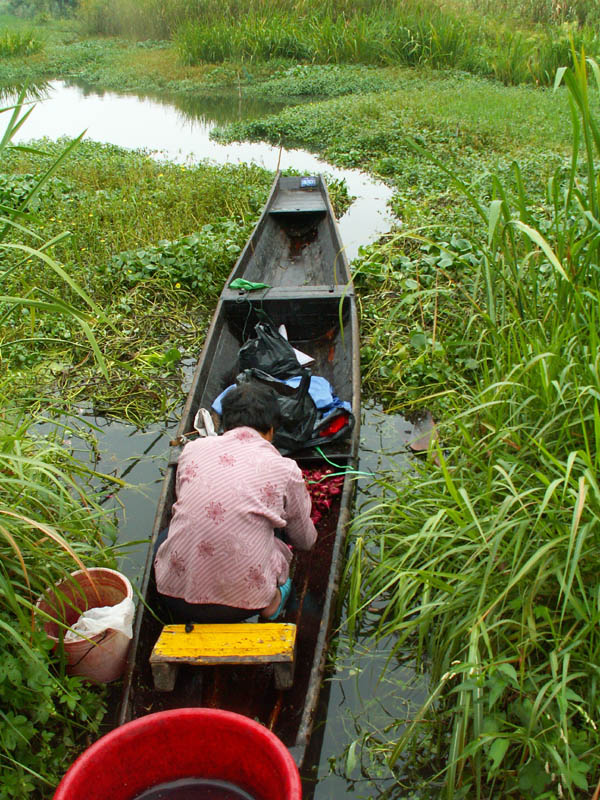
{"x": 354, "y": 698}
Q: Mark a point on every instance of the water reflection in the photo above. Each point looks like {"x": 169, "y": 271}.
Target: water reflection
{"x": 215, "y": 108}
{"x": 33, "y": 93}
{"x": 384, "y": 440}
{"x": 120, "y": 450}
{"x": 370, "y": 695}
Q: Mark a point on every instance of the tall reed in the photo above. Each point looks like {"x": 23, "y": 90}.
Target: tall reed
{"x": 487, "y": 564}
{"x": 582, "y": 12}
{"x": 378, "y": 32}
{"x": 50, "y": 525}
{"x": 19, "y": 43}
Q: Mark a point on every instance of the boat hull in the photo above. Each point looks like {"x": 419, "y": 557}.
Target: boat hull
{"x": 310, "y": 292}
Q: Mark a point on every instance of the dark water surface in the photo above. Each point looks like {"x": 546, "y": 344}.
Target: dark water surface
{"x": 195, "y": 789}
{"x": 355, "y": 698}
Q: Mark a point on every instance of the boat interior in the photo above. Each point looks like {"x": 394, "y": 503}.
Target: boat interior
{"x": 317, "y": 325}
{"x": 249, "y": 689}
{"x": 295, "y": 250}
{"x": 296, "y": 243}
{"x": 320, "y": 327}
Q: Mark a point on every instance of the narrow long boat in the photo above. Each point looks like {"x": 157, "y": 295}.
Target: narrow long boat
{"x": 296, "y": 250}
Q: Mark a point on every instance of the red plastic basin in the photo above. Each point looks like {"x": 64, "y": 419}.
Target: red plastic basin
{"x": 183, "y": 743}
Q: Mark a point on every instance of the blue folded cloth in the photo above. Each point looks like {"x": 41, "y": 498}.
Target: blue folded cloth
{"x": 320, "y": 390}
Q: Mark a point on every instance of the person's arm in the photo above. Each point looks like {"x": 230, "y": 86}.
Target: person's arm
{"x": 299, "y": 528}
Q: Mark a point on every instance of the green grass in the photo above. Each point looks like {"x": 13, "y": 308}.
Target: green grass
{"x": 51, "y": 525}
{"x": 51, "y": 520}
{"x": 152, "y": 243}
{"x": 483, "y": 563}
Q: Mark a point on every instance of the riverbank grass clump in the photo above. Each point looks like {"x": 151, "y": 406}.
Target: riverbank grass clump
{"x": 19, "y": 43}
{"x": 52, "y": 524}
{"x": 517, "y": 47}
{"x": 409, "y": 34}
{"x": 484, "y": 558}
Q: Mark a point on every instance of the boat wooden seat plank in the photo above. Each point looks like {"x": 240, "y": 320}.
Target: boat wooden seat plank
{"x": 325, "y": 292}
{"x": 298, "y": 201}
{"x": 228, "y": 643}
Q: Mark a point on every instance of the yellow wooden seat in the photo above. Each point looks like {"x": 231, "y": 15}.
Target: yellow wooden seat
{"x": 226, "y": 643}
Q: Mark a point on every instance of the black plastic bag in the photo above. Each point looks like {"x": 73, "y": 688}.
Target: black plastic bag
{"x": 337, "y": 424}
{"x": 269, "y": 352}
{"x": 296, "y": 406}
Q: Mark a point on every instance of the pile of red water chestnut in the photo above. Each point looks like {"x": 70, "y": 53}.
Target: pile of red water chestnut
{"x": 323, "y": 485}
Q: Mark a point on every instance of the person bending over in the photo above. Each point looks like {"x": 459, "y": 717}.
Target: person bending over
{"x": 221, "y": 560}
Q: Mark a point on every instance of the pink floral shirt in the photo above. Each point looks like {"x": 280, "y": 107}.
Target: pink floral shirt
{"x": 232, "y": 491}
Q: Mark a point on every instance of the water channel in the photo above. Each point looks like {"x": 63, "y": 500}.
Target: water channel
{"x": 355, "y": 698}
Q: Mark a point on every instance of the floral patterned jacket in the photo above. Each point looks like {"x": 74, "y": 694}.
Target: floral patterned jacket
{"x": 232, "y": 491}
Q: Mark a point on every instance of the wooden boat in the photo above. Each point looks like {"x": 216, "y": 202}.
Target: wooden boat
{"x": 296, "y": 250}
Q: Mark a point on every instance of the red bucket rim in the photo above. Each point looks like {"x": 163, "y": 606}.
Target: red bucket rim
{"x": 66, "y": 790}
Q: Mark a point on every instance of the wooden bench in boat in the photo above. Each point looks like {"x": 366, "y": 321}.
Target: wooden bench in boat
{"x": 227, "y": 643}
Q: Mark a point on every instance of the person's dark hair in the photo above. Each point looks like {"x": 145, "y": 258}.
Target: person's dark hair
{"x": 250, "y": 405}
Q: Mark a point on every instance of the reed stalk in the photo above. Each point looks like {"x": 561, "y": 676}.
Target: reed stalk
{"x": 485, "y": 566}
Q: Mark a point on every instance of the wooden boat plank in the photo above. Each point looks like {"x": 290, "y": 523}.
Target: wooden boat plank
{"x": 226, "y": 643}
{"x": 289, "y": 293}
{"x": 294, "y": 200}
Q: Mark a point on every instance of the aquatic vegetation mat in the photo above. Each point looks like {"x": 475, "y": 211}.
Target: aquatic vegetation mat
{"x": 157, "y": 293}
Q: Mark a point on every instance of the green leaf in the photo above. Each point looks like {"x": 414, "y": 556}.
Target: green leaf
{"x": 577, "y": 770}
{"x": 418, "y": 341}
{"x": 559, "y": 76}
{"x": 537, "y": 238}
{"x": 497, "y": 752}
{"x": 493, "y": 217}
{"x": 533, "y": 778}
{"x": 510, "y": 672}
{"x": 496, "y": 687}
{"x": 351, "y": 759}
{"x": 171, "y": 356}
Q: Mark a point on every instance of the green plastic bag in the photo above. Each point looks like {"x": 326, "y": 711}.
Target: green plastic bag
{"x": 248, "y": 286}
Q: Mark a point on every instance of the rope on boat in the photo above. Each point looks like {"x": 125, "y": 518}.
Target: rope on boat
{"x": 344, "y": 470}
